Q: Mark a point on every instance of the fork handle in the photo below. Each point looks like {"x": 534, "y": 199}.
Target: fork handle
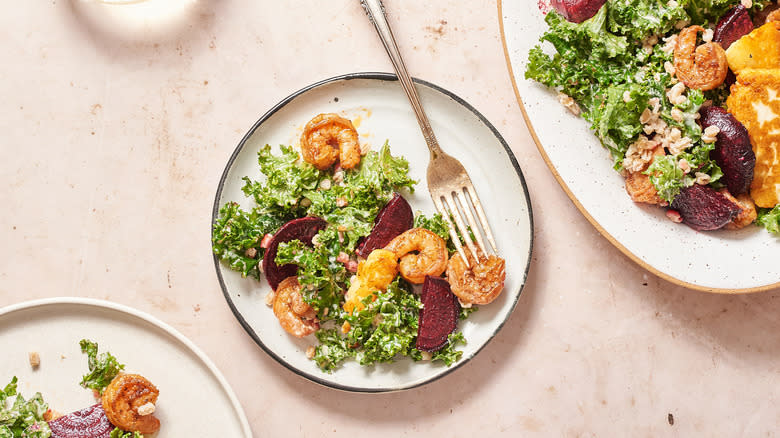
{"x": 376, "y": 13}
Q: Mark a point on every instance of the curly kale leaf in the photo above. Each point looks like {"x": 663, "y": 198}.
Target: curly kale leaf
{"x": 709, "y": 11}
{"x": 237, "y": 235}
{"x": 22, "y": 418}
{"x": 103, "y": 367}
{"x": 119, "y": 433}
{"x": 616, "y": 121}
{"x": 668, "y": 177}
{"x": 384, "y": 328}
{"x": 587, "y": 59}
{"x": 770, "y": 219}
{"x": 287, "y": 178}
{"x": 438, "y": 225}
{"x": 639, "y": 19}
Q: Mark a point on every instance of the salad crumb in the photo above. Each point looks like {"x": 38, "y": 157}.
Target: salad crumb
{"x": 35, "y": 359}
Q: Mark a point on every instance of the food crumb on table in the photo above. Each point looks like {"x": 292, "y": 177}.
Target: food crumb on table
{"x": 35, "y": 359}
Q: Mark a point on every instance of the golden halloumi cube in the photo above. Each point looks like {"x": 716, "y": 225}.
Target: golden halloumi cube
{"x": 755, "y": 101}
{"x": 758, "y": 49}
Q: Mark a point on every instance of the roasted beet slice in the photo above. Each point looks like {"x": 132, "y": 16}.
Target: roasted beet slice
{"x": 733, "y": 151}
{"x": 303, "y": 229}
{"x": 704, "y": 209}
{"x": 89, "y": 422}
{"x": 439, "y": 315}
{"x": 577, "y": 11}
{"x": 735, "y": 24}
{"x": 393, "y": 219}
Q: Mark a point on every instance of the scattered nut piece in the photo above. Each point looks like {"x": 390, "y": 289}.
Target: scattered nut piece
{"x": 35, "y": 359}
{"x": 569, "y": 103}
{"x": 710, "y": 134}
{"x": 702, "y": 178}
{"x": 146, "y": 409}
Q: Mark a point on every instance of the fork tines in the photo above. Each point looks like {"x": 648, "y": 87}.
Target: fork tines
{"x": 455, "y": 204}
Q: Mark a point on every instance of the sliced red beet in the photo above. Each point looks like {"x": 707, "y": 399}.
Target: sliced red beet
{"x": 733, "y": 152}
{"x": 577, "y": 11}
{"x": 439, "y": 315}
{"x": 89, "y": 422}
{"x": 303, "y": 229}
{"x": 393, "y": 219}
{"x": 735, "y": 24}
{"x": 704, "y": 209}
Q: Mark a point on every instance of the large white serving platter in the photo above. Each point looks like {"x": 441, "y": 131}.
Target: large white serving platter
{"x": 720, "y": 261}
{"x": 378, "y": 106}
{"x": 195, "y": 399}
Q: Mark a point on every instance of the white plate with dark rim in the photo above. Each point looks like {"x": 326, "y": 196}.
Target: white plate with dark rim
{"x": 720, "y": 261}
{"x": 379, "y": 108}
{"x": 195, "y": 399}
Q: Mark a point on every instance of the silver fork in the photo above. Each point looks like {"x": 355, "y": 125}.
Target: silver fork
{"x": 450, "y": 186}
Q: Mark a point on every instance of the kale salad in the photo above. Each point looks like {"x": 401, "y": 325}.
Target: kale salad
{"x": 304, "y": 229}
{"x": 622, "y": 68}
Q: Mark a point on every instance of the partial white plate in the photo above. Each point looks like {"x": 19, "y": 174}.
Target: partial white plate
{"x": 721, "y": 261}
{"x": 195, "y": 400}
{"x": 380, "y": 111}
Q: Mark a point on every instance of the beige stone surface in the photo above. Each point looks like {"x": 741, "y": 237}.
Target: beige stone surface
{"x": 116, "y": 131}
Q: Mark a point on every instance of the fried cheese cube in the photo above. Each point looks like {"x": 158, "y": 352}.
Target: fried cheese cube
{"x": 755, "y": 101}
{"x": 758, "y": 49}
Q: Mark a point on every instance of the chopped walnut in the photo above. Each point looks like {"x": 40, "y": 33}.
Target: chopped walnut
{"x": 569, "y": 103}
{"x": 670, "y": 43}
{"x": 35, "y": 359}
{"x": 675, "y": 94}
{"x": 684, "y": 166}
{"x": 677, "y": 114}
{"x": 710, "y": 134}
{"x": 146, "y": 409}
{"x": 702, "y": 178}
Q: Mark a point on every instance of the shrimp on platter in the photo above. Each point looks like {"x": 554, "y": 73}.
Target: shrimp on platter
{"x": 330, "y": 137}
{"x": 703, "y": 67}
{"x": 129, "y": 403}
{"x": 480, "y": 282}
{"x": 295, "y": 316}
{"x": 421, "y": 252}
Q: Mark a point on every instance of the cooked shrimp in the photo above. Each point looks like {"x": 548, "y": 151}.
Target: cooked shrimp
{"x": 773, "y": 16}
{"x": 126, "y": 399}
{"x": 703, "y": 69}
{"x": 641, "y": 189}
{"x": 480, "y": 284}
{"x": 328, "y": 137}
{"x": 373, "y": 274}
{"x": 431, "y": 257}
{"x": 747, "y": 211}
{"x": 295, "y": 316}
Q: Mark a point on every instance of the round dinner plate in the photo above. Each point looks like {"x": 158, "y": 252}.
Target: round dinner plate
{"x": 715, "y": 261}
{"x": 380, "y": 111}
{"x": 195, "y": 399}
